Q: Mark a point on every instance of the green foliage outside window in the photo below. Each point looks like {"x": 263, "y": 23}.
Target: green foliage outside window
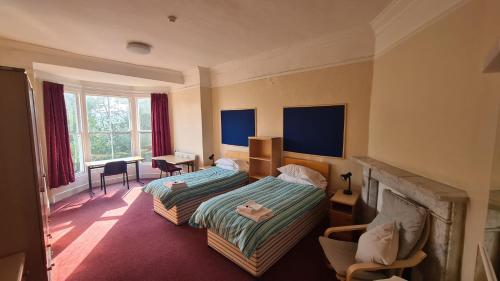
{"x": 75, "y": 139}
{"x": 144, "y": 120}
{"x": 109, "y": 127}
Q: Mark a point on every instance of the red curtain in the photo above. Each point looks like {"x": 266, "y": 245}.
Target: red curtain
{"x": 160, "y": 126}
{"x": 60, "y": 163}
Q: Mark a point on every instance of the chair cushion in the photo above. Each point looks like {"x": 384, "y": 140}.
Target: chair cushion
{"x": 409, "y": 217}
{"x": 379, "y": 245}
{"x": 341, "y": 255}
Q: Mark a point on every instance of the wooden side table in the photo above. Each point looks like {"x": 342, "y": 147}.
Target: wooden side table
{"x": 343, "y": 212}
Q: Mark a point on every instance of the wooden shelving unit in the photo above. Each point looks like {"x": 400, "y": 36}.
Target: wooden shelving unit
{"x": 264, "y": 156}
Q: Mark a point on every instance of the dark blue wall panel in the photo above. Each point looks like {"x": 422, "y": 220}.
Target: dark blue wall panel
{"x": 237, "y": 126}
{"x": 317, "y": 130}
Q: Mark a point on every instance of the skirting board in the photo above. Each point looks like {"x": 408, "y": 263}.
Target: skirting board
{"x": 274, "y": 248}
{"x": 181, "y": 213}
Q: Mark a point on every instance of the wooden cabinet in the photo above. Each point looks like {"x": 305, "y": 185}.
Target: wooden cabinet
{"x": 264, "y": 157}
{"x": 343, "y": 212}
{"x": 23, "y": 209}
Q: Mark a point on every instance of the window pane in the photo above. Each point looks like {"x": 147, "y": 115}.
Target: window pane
{"x": 100, "y": 147}
{"x": 122, "y": 145}
{"x": 119, "y": 113}
{"x": 71, "y": 113}
{"x": 145, "y": 143}
{"x": 75, "y": 145}
{"x": 98, "y": 114}
{"x": 144, "y": 109}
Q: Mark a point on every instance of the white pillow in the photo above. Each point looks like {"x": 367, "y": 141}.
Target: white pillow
{"x": 232, "y": 164}
{"x": 287, "y": 178}
{"x": 380, "y": 244}
{"x": 304, "y": 173}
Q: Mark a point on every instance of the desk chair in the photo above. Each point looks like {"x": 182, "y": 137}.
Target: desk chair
{"x": 166, "y": 167}
{"x": 413, "y": 221}
{"x": 114, "y": 168}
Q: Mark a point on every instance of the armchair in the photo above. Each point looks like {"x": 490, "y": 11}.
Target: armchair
{"x": 414, "y": 230}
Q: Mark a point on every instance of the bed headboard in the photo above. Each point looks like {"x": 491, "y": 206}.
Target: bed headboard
{"x": 235, "y": 154}
{"x": 322, "y": 167}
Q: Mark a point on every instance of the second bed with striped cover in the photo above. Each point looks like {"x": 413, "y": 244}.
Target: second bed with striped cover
{"x": 199, "y": 183}
{"x": 288, "y": 201}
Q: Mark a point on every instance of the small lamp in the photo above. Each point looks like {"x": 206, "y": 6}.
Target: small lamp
{"x": 212, "y": 157}
{"x": 347, "y": 177}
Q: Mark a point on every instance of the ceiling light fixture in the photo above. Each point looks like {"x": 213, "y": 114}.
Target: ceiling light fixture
{"x": 172, "y": 18}
{"x": 139, "y": 47}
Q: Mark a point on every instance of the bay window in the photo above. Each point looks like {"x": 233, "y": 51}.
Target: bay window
{"x": 103, "y": 127}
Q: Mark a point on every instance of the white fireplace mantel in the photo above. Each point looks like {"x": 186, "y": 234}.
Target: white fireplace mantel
{"x": 446, "y": 204}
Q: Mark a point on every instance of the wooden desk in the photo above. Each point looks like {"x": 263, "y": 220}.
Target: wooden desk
{"x": 100, "y": 164}
{"x": 11, "y": 267}
{"x": 176, "y": 160}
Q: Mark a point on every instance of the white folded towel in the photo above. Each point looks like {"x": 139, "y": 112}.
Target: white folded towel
{"x": 257, "y": 216}
{"x": 251, "y": 206}
{"x": 175, "y": 185}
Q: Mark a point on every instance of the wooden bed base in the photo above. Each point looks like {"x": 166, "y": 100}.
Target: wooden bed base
{"x": 274, "y": 248}
{"x": 181, "y": 213}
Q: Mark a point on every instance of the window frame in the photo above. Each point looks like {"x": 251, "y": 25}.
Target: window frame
{"x": 111, "y": 132}
{"x": 82, "y": 93}
{"x": 138, "y": 125}
{"x": 79, "y": 127}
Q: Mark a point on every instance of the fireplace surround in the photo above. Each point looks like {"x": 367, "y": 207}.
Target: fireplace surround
{"x": 447, "y": 206}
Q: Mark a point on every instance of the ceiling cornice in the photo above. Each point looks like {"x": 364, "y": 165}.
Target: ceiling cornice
{"x": 20, "y": 54}
{"x": 403, "y": 18}
{"x": 335, "y": 49}
{"x": 97, "y": 86}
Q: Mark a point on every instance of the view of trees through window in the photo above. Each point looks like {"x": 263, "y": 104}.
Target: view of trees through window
{"x": 111, "y": 130}
{"x": 108, "y": 120}
{"x": 75, "y": 137}
{"x": 144, "y": 128}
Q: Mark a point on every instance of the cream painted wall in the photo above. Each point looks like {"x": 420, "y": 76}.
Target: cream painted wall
{"x": 191, "y": 121}
{"x": 349, "y": 84}
{"x": 187, "y": 128}
{"x": 207, "y": 123}
{"x": 432, "y": 112}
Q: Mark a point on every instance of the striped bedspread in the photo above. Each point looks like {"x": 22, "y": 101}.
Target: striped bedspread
{"x": 287, "y": 200}
{"x": 199, "y": 183}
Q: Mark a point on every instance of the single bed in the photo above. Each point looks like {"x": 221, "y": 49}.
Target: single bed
{"x": 255, "y": 247}
{"x": 178, "y": 206}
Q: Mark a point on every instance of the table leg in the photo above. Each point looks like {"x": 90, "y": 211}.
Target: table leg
{"x": 89, "y": 172}
{"x": 137, "y": 176}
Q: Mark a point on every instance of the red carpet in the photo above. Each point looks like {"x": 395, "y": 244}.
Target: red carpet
{"x": 119, "y": 237}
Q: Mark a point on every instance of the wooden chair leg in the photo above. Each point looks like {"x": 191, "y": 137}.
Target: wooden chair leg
{"x": 123, "y": 179}
{"x": 126, "y": 175}
{"x": 161, "y": 172}
{"x": 101, "y": 180}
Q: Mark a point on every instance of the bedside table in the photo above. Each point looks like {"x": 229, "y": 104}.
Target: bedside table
{"x": 343, "y": 212}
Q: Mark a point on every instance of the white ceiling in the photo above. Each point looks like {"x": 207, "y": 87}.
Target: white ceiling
{"x": 207, "y": 32}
